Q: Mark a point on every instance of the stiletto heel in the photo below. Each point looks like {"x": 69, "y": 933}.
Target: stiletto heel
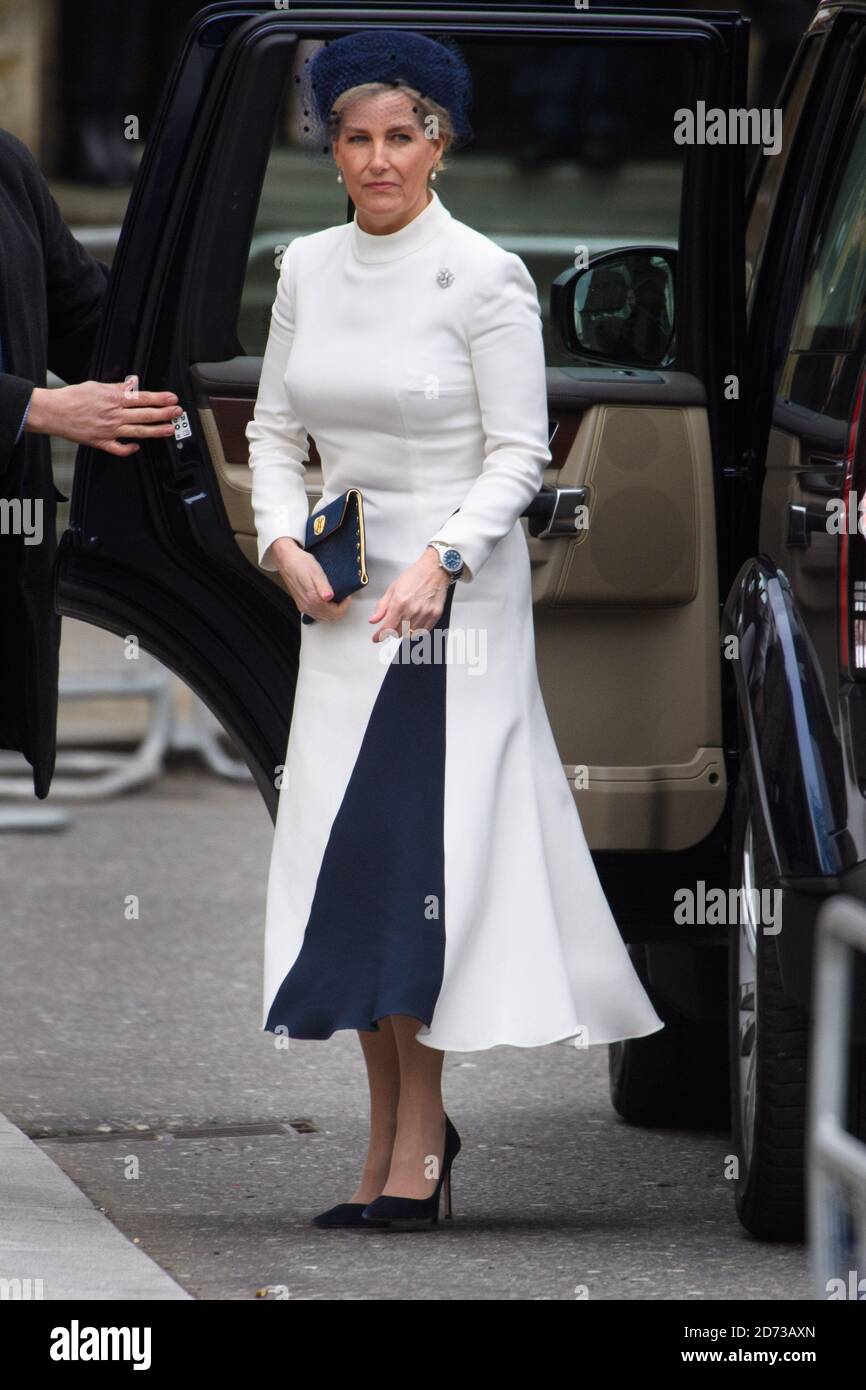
{"x": 408, "y": 1212}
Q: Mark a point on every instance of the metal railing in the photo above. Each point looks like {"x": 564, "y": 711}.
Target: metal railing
{"x": 836, "y": 1160}
{"x": 98, "y": 773}
{"x": 95, "y": 773}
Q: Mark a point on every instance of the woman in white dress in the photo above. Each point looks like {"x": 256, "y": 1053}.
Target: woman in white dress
{"x": 430, "y": 883}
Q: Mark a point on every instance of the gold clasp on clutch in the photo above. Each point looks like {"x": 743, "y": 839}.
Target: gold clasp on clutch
{"x": 319, "y": 525}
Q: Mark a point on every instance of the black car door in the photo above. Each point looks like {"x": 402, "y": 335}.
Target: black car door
{"x": 792, "y": 624}
{"x": 806, "y": 343}
{"x": 162, "y": 544}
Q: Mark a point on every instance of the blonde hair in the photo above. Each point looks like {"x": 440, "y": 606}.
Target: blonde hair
{"x": 425, "y": 108}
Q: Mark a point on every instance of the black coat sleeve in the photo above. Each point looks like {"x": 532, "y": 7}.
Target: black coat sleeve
{"x": 53, "y": 293}
{"x": 15, "y": 392}
{"x": 75, "y": 284}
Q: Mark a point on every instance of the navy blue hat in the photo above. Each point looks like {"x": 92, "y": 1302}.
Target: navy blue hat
{"x": 435, "y": 68}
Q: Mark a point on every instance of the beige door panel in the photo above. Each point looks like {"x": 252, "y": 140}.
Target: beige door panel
{"x": 627, "y": 624}
{"x": 224, "y": 414}
{"x": 642, "y": 471}
{"x": 235, "y": 479}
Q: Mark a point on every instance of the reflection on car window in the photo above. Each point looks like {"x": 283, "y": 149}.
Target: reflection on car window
{"x": 774, "y": 165}
{"x": 573, "y": 148}
{"x": 832, "y": 302}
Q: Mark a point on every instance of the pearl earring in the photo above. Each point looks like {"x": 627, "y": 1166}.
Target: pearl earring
{"x": 339, "y": 177}
{"x": 432, "y": 175}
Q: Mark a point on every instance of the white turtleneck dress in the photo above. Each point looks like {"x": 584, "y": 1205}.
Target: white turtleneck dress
{"x": 428, "y": 857}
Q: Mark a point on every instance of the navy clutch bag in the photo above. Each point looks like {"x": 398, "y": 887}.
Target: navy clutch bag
{"x": 335, "y": 535}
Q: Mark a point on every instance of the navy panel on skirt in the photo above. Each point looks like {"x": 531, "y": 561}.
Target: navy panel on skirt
{"x": 374, "y": 944}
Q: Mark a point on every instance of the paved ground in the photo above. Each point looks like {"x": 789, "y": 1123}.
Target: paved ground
{"x": 54, "y": 1244}
{"x": 131, "y": 1053}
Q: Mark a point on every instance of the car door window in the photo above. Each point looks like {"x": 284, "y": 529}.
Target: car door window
{"x": 830, "y": 319}
{"x": 831, "y": 304}
{"x": 770, "y": 168}
{"x": 573, "y": 147}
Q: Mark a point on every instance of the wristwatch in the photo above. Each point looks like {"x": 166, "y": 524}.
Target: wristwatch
{"x": 449, "y": 558}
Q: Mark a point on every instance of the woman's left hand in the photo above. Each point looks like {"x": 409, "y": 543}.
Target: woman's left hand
{"x": 417, "y": 596}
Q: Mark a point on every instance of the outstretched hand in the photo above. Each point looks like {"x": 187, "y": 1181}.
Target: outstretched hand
{"x": 100, "y": 413}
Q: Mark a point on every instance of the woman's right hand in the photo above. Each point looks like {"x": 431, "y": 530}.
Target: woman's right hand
{"x": 306, "y": 581}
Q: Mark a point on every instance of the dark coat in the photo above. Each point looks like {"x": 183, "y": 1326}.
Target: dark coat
{"x": 51, "y": 292}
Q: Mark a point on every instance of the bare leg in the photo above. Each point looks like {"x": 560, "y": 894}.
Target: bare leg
{"x": 383, "y": 1077}
{"x": 420, "y": 1139}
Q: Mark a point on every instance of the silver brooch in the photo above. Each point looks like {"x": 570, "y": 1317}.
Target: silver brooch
{"x": 444, "y": 278}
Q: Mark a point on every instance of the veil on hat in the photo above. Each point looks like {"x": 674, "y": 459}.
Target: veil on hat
{"x": 435, "y": 68}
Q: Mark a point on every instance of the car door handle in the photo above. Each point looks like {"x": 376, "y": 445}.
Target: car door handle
{"x": 551, "y": 511}
{"x": 824, "y": 476}
{"x": 802, "y": 521}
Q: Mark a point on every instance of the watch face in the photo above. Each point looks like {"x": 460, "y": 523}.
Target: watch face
{"x": 452, "y": 560}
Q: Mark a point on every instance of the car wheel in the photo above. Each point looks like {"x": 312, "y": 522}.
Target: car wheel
{"x": 674, "y": 1077}
{"x": 769, "y": 1037}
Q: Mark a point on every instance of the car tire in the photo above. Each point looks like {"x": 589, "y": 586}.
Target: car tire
{"x": 676, "y": 1077}
{"x": 769, "y": 1037}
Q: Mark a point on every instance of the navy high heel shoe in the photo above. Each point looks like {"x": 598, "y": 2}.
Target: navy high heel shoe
{"x": 407, "y": 1212}
{"x": 343, "y": 1214}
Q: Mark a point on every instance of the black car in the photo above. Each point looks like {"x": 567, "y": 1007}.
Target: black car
{"x": 700, "y": 624}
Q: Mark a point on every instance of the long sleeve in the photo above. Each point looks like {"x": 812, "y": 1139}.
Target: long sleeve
{"x": 55, "y": 277}
{"x": 507, "y": 351}
{"x": 26, "y": 410}
{"x": 277, "y": 439}
{"x": 15, "y": 395}
{"x": 75, "y": 287}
